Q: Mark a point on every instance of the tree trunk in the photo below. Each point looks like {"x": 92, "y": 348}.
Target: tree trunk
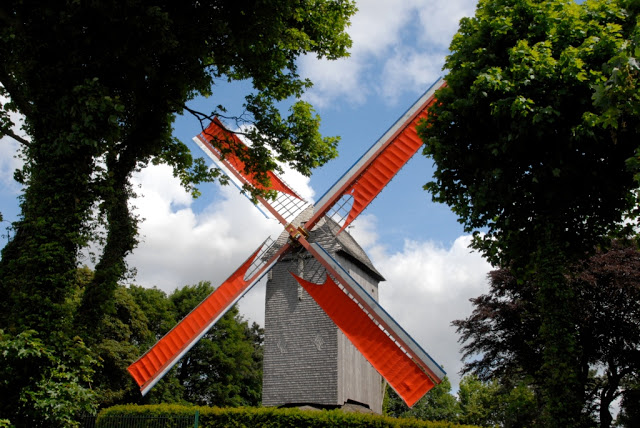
{"x": 38, "y": 265}
{"x": 562, "y": 390}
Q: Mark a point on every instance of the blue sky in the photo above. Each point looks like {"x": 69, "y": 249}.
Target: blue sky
{"x": 398, "y": 52}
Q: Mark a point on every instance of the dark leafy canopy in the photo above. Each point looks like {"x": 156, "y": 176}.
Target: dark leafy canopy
{"x": 478, "y": 403}
{"x": 437, "y": 405}
{"x": 99, "y": 84}
{"x": 501, "y": 336}
{"x": 223, "y": 369}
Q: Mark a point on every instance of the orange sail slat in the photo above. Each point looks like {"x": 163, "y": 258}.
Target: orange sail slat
{"x": 229, "y": 143}
{"x": 374, "y": 309}
{"x": 227, "y": 150}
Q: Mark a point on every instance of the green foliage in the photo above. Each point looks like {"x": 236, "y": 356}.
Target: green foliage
{"x": 270, "y": 417}
{"x": 224, "y": 368}
{"x": 502, "y": 342}
{"x": 44, "y": 386}
{"x": 491, "y": 404}
{"x": 437, "y": 405}
{"x": 528, "y": 152}
{"x": 99, "y": 85}
{"x": 478, "y": 403}
{"x": 221, "y": 369}
{"x": 99, "y": 93}
{"x": 512, "y": 137}
{"x": 629, "y": 415}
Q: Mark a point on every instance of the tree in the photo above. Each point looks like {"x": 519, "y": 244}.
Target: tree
{"x": 523, "y": 154}
{"x": 220, "y": 369}
{"x": 437, "y": 405}
{"x": 489, "y": 403}
{"x": 224, "y": 368}
{"x": 51, "y": 397}
{"x": 120, "y": 338}
{"x": 99, "y": 85}
{"x": 630, "y": 408}
{"x": 504, "y": 325}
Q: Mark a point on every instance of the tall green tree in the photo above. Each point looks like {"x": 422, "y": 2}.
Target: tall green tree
{"x": 99, "y": 85}
{"x": 523, "y": 155}
{"x": 52, "y": 396}
{"x": 490, "y": 403}
{"x": 222, "y": 368}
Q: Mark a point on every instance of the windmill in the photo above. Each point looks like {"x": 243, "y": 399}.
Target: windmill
{"x": 399, "y": 359}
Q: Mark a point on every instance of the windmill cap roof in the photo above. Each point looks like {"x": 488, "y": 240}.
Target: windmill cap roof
{"x": 328, "y": 230}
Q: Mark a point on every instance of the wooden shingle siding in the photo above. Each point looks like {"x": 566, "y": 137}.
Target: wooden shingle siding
{"x": 301, "y": 346}
{"x": 307, "y": 359}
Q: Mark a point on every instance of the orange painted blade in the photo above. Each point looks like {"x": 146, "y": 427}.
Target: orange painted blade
{"x": 158, "y": 360}
{"x": 228, "y": 142}
{"x": 402, "y": 373}
{"x": 375, "y": 169}
{"x": 226, "y": 150}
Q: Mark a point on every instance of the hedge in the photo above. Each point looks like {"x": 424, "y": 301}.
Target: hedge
{"x": 271, "y": 417}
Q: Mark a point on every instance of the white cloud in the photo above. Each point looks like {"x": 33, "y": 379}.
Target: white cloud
{"x": 9, "y": 162}
{"x": 363, "y": 230}
{"x": 408, "y": 40}
{"x": 439, "y": 21}
{"x": 334, "y": 79}
{"x": 180, "y": 246}
{"x": 409, "y": 69}
{"x": 427, "y": 287}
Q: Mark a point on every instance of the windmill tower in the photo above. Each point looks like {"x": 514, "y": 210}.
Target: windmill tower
{"x": 307, "y": 359}
{"x": 329, "y": 275}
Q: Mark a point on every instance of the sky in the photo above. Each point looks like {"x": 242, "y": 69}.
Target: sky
{"x": 398, "y": 51}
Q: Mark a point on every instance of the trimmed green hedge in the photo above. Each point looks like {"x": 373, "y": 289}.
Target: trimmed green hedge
{"x": 271, "y": 417}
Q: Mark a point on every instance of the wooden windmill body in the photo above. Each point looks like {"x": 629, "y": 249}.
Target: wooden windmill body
{"x": 315, "y": 259}
{"x": 307, "y": 359}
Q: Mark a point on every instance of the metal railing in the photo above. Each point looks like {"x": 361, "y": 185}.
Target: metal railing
{"x": 141, "y": 421}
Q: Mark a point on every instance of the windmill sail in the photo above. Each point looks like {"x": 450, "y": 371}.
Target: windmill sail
{"x": 221, "y": 145}
{"x": 355, "y": 190}
{"x": 390, "y": 350}
{"x": 158, "y": 360}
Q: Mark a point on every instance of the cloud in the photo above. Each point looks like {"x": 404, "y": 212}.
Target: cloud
{"x": 409, "y": 69}
{"x": 408, "y": 40}
{"x": 439, "y": 21}
{"x": 9, "y": 162}
{"x": 181, "y": 246}
{"x": 427, "y": 287}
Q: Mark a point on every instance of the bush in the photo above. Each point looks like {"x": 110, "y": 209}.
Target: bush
{"x": 271, "y": 417}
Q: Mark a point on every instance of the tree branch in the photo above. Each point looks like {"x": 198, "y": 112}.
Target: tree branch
{"x": 19, "y": 139}
{"x": 14, "y": 93}
{"x": 202, "y": 117}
